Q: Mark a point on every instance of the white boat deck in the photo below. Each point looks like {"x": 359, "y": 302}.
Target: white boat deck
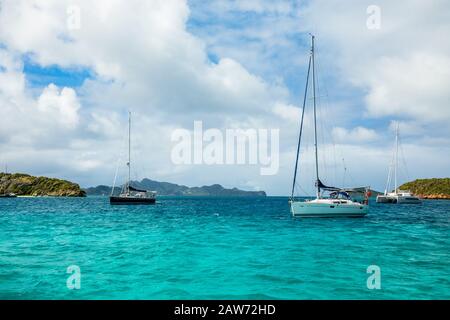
{"x": 318, "y": 208}
{"x": 399, "y": 197}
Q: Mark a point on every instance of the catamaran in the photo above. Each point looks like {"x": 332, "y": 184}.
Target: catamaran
{"x": 130, "y": 194}
{"x": 338, "y": 203}
{"x": 398, "y": 196}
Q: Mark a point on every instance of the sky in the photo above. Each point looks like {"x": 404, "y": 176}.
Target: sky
{"x": 71, "y": 70}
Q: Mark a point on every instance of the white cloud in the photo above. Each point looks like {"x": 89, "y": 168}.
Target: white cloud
{"x": 259, "y": 6}
{"x": 414, "y": 87}
{"x": 60, "y": 105}
{"x": 403, "y": 67}
{"x": 407, "y": 128}
{"x": 287, "y": 112}
{"x": 30, "y": 121}
{"x": 144, "y": 60}
{"x": 358, "y": 135}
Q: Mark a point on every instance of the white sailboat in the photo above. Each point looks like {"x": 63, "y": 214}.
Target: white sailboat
{"x": 338, "y": 202}
{"x": 397, "y": 196}
{"x": 129, "y": 194}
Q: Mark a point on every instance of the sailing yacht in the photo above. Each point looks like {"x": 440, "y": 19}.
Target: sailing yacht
{"x": 338, "y": 203}
{"x": 129, "y": 194}
{"x": 398, "y": 196}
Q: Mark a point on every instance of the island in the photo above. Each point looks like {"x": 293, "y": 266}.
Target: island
{"x": 173, "y": 189}
{"x": 436, "y": 188}
{"x": 21, "y": 184}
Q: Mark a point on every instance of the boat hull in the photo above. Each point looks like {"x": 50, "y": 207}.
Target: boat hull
{"x": 131, "y": 200}
{"x": 399, "y": 199}
{"x": 385, "y": 199}
{"x": 328, "y": 210}
{"x": 409, "y": 200}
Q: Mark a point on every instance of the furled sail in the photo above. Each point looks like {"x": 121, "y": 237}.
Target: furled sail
{"x": 321, "y": 186}
{"x": 136, "y": 190}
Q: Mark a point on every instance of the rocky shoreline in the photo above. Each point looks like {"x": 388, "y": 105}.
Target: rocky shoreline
{"x": 433, "y": 189}
{"x": 434, "y": 196}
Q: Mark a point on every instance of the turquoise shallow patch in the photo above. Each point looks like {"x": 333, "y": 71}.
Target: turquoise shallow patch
{"x": 219, "y": 248}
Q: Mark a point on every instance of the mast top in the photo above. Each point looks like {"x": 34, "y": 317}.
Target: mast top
{"x": 315, "y": 116}
{"x": 129, "y": 151}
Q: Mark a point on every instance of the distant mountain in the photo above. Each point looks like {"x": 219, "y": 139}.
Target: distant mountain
{"x": 25, "y": 185}
{"x": 101, "y": 190}
{"x": 437, "y": 188}
{"x": 172, "y": 189}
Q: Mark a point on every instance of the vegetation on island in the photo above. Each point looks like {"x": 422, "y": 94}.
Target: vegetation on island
{"x": 436, "y": 188}
{"x": 26, "y": 185}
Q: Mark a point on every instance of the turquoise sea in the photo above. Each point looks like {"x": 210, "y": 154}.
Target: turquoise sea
{"x": 219, "y": 248}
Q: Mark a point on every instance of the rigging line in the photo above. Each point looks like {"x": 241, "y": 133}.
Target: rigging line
{"x": 145, "y": 172}
{"x": 326, "y": 95}
{"x": 142, "y": 171}
{"x": 325, "y": 124}
{"x": 301, "y": 126}
{"x": 404, "y": 159}
{"x": 300, "y": 191}
{"x": 129, "y": 150}
{"x": 391, "y": 170}
{"x": 139, "y": 168}
{"x": 321, "y": 131}
{"x": 115, "y": 177}
{"x": 345, "y": 172}
{"x": 307, "y": 194}
{"x": 322, "y": 125}
{"x": 351, "y": 178}
{"x": 117, "y": 167}
{"x": 138, "y": 154}
{"x": 315, "y": 116}
{"x": 388, "y": 183}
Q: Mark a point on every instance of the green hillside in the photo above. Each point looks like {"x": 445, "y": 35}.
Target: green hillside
{"x": 26, "y": 185}
{"x": 436, "y": 188}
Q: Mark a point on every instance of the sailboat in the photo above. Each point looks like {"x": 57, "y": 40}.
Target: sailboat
{"x": 398, "y": 196}
{"x": 338, "y": 203}
{"x": 130, "y": 194}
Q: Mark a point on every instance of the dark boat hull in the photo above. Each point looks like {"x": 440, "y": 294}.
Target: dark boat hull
{"x": 131, "y": 200}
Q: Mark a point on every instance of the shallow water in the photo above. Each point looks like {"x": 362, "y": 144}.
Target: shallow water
{"x": 219, "y": 248}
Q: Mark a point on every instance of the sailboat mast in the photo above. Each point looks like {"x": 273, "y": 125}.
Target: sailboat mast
{"x": 315, "y": 116}
{"x": 129, "y": 150}
{"x": 396, "y": 158}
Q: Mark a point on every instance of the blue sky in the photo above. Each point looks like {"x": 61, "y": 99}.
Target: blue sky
{"x": 230, "y": 64}
{"x": 39, "y": 76}
{"x": 224, "y": 32}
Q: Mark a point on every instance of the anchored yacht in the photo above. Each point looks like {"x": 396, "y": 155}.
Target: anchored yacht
{"x": 397, "y": 196}
{"x": 129, "y": 194}
{"x": 338, "y": 203}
